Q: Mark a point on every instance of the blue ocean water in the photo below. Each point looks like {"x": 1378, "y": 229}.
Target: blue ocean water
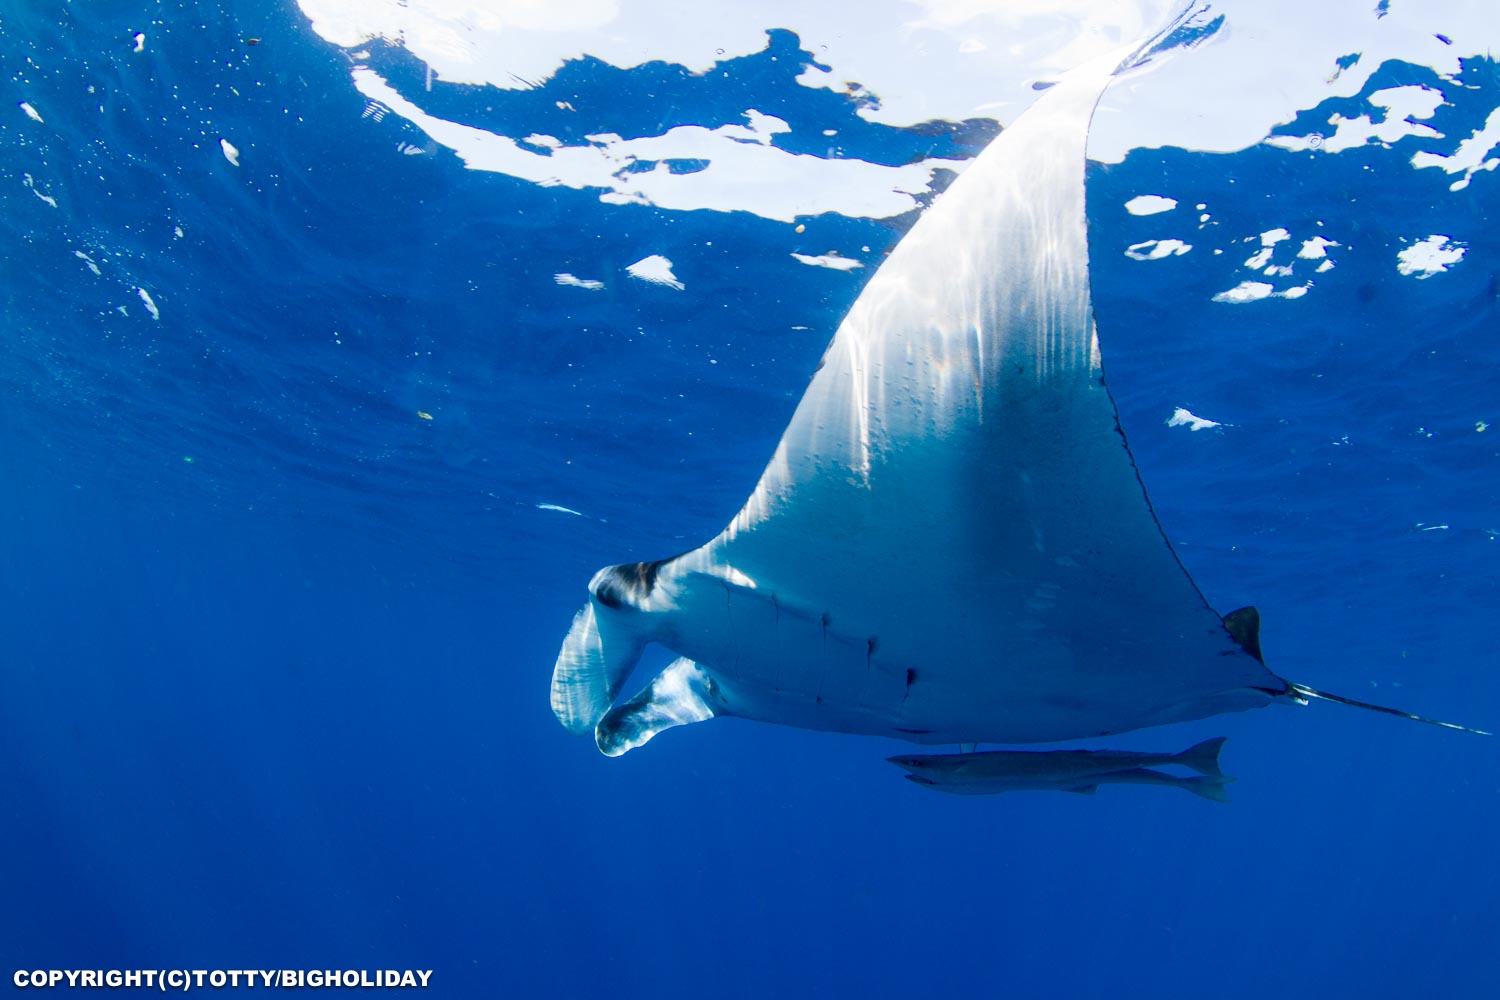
{"x": 277, "y": 645}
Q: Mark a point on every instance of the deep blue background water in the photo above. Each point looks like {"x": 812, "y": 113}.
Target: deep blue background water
{"x": 275, "y": 651}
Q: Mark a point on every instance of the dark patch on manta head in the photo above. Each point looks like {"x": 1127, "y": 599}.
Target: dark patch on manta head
{"x": 627, "y": 583}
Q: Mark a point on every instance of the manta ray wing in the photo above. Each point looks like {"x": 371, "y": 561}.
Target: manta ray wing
{"x": 951, "y": 542}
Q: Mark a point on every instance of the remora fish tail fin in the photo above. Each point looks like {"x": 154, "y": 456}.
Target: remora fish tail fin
{"x": 1301, "y": 693}
{"x": 680, "y": 694}
{"x": 596, "y": 658}
{"x": 1206, "y": 787}
{"x": 1203, "y": 758}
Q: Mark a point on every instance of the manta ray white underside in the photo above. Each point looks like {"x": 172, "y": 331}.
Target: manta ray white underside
{"x": 951, "y": 543}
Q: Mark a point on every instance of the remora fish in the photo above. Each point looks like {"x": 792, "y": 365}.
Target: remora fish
{"x": 1083, "y": 771}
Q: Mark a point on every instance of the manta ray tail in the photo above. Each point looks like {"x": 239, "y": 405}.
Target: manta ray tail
{"x": 680, "y": 694}
{"x": 1301, "y": 692}
{"x": 1203, "y": 758}
{"x": 1244, "y": 626}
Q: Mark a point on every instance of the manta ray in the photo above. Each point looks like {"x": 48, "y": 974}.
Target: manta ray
{"x": 951, "y": 542}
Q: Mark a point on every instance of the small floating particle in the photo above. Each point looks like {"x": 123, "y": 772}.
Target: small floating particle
{"x": 831, "y": 259}
{"x": 140, "y": 41}
{"x": 423, "y": 414}
{"x": 150, "y": 305}
{"x": 252, "y": 41}
{"x": 564, "y": 278}
{"x": 188, "y": 459}
{"x": 1183, "y": 417}
{"x": 27, "y": 180}
{"x": 230, "y": 152}
{"x": 1480, "y": 426}
{"x": 559, "y": 508}
{"x": 30, "y": 111}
